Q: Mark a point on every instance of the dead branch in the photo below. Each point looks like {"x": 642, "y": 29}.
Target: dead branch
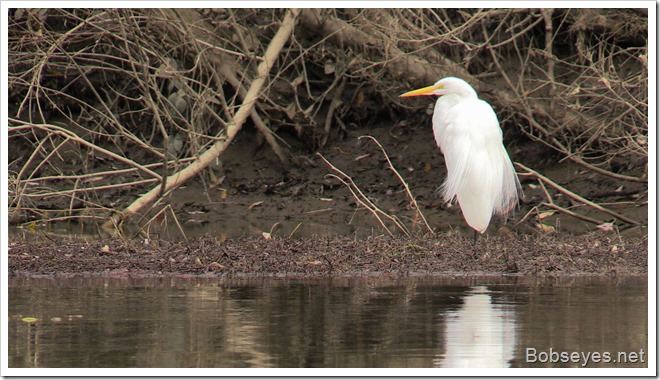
{"x": 68, "y": 135}
{"x": 234, "y": 126}
{"x": 412, "y": 199}
{"x": 364, "y": 200}
{"x": 408, "y": 66}
{"x": 574, "y": 196}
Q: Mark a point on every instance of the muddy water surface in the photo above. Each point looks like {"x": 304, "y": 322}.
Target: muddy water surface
{"x": 331, "y": 322}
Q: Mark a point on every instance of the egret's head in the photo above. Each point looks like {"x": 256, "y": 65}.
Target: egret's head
{"x": 445, "y": 86}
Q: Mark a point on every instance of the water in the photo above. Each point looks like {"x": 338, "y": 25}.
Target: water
{"x": 345, "y": 322}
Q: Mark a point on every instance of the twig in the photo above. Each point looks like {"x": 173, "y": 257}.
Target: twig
{"x": 362, "y": 199}
{"x": 163, "y": 211}
{"x": 571, "y": 213}
{"x": 547, "y": 18}
{"x": 92, "y": 188}
{"x": 66, "y": 134}
{"x": 575, "y": 196}
{"x": 336, "y": 102}
{"x": 402, "y": 181}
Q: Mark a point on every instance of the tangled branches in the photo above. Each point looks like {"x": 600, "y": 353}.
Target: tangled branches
{"x": 123, "y": 99}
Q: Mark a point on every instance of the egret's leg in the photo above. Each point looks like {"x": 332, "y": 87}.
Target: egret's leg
{"x": 474, "y": 240}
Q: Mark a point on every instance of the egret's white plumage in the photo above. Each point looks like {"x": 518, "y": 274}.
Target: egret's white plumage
{"x": 480, "y": 174}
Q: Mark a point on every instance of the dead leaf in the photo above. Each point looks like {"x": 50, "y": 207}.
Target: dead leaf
{"x": 359, "y": 100}
{"x": 290, "y": 111}
{"x": 607, "y": 227}
{"x": 545, "y": 214}
{"x": 219, "y": 181}
{"x": 545, "y": 228}
{"x": 216, "y": 265}
{"x": 329, "y": 68}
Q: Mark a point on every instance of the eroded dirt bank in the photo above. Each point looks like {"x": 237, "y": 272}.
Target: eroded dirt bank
{"x": 319, "y": 230}
{"x": 447, "y": 253}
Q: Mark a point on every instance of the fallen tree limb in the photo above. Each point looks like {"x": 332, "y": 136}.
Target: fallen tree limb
{"x": 401, "y": 64}
{"x": 206, "y": 158}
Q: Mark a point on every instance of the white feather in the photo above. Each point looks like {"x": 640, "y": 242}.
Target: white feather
{"x": 480, "y": 174}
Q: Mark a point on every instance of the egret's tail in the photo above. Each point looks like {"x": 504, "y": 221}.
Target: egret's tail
{"x": 510, "y": 188}
{"x": 484, "y": 183}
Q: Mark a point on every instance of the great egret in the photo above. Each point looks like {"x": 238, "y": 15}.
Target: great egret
{"x": 480, "y": 174}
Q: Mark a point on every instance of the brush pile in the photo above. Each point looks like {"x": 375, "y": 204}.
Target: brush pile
{"x": 115, "y": 101}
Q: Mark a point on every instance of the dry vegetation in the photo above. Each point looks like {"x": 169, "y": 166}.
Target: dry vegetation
{"x": 136, "y": 102}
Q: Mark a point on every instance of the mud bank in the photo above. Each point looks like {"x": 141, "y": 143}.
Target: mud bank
{"x": 450, "y": 253}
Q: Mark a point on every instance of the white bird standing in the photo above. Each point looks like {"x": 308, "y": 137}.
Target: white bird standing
{"x": 480, "y": 174}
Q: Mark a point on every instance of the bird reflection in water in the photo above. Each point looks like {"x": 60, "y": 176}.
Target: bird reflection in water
{"x": 480, "y": 334}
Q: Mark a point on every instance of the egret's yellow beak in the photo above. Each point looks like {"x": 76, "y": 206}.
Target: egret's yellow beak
{"x": 420, "y": 91}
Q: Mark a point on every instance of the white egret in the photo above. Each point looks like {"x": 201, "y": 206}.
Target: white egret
{"x": 480, "y": 174}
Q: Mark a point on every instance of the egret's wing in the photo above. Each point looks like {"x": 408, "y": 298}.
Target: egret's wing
{"x": 478, "y": 166}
